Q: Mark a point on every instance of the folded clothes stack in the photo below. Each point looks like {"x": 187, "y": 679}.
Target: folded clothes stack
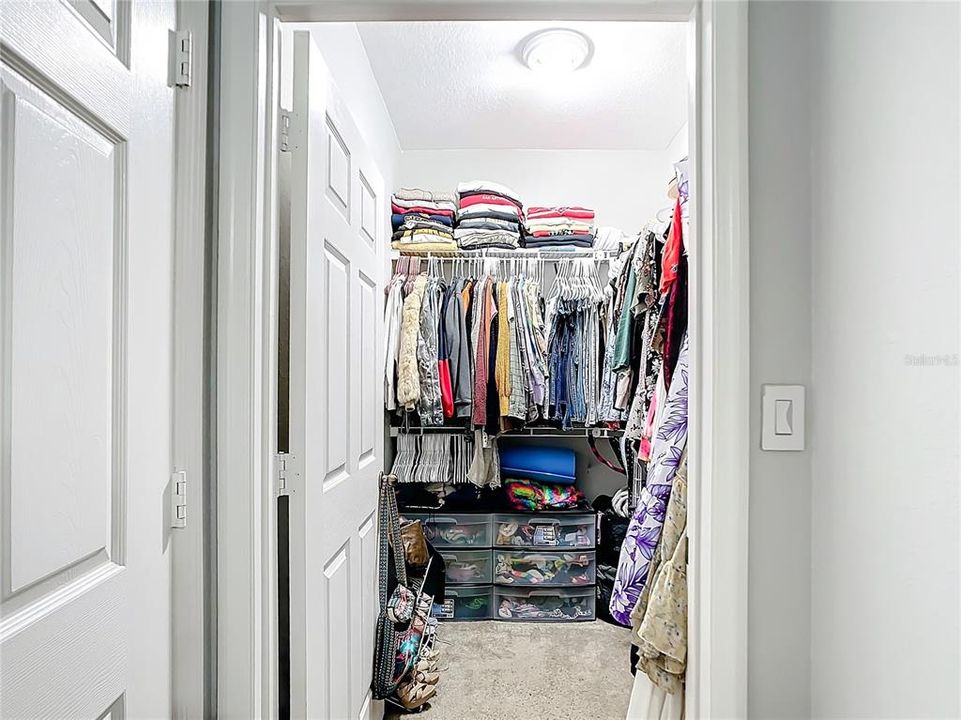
{"x": 559, "y": 227}
{"x": 422, "y": 220}
{"x": 489, "y": 216}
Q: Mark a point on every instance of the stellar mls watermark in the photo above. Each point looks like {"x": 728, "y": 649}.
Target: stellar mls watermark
{"x": 926, "y": 360}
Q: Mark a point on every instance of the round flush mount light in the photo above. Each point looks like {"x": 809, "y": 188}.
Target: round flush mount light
{"x": 559, "y": 50}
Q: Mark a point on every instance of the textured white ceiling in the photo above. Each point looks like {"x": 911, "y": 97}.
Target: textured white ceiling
{"x": 462, "y": 85}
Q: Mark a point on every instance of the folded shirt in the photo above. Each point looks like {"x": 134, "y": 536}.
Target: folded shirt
{"x": 424, "y": 225}
{"x": 538, "y": 231}
{"x": 567, "y": 211}
{"x": 560, "y": 221}
{"x": 486, "y": 186}
{"x": 559, "y": 226}
{"x": 559, "y": 241}
{"x": 398, "y": 219}
{"x": 444, "y": 207}
{"x": 424, "y": 246}
{"x": 487, "y": 199}
{"x": 428, "y": 195}
{"x": 422, "y": 234}
{"x": 489, "y": 223}
{"x": 462, "y": 232}
{"x": 501, "y": 212}
{"x": 488, "y": 238}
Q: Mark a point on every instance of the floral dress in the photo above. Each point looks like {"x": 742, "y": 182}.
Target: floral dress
{"x": 644, "y": 531}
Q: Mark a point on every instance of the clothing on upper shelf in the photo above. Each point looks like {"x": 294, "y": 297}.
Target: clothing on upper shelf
{"x": 489, "y": 215}
{"x": 422, "y": 220}
{"x": 559, "y": 227}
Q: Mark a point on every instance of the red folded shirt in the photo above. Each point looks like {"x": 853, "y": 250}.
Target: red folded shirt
{"x": 486, "y": 199}
{"x": 397, "y": 209}
{"x": 573, "y": 211}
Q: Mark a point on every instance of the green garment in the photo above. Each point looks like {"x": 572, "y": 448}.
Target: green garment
{"x": 622, "y": 341}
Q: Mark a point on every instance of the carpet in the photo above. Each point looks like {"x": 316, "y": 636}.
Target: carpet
{"x": 531, "y": 671}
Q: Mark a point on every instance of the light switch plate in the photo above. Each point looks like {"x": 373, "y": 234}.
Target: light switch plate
{"x": 782, "y": 417}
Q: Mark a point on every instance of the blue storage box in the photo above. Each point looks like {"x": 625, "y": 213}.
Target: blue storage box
{"x": 543, "y": 464}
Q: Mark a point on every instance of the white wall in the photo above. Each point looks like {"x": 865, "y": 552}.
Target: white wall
{"x": 885, "y": 499}
{"x": 779, "y": 663}
{"x": 626, "y": 188}
{"x": 677, "y": 149}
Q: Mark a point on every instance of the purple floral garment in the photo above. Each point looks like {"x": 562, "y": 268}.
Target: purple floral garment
{"x": 644, "y": 532}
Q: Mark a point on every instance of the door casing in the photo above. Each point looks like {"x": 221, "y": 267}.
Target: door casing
{"x": 247, "y": 331}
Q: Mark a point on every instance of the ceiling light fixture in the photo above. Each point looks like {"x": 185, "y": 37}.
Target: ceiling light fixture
{"x": 559, "y": 50}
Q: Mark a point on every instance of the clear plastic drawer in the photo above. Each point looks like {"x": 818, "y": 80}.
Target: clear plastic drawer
{"x": 466, "y": 602}
{"x": 447, "y": 530}
{"x": 544, "y": 605}
{"x": 546, "y": 531}
{"x": 467, "y": 567}
{"x": 517, "y": 567}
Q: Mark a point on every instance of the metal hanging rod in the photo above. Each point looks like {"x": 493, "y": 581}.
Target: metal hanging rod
{"x": 518, "y": 254}
{"x": 598, "y": 432}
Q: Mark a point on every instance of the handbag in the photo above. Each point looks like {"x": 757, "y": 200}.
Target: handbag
{"x": 397, "y": 643}
{"x": 415, "y": 543}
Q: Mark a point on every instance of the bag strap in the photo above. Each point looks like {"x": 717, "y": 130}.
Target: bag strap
{"x": 389, "y": 526}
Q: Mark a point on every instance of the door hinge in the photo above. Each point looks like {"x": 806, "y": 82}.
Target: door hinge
{"x": 280, "y": 473}
{"x": 284, "y": 124}
{"x": 183, "y": 58}
{"x": 178, "y": 499}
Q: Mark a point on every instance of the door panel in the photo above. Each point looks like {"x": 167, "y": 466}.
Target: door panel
{"x": 63, "y": 379}
{"x": 336, "y": 417}
{"x": 86, "y": 157}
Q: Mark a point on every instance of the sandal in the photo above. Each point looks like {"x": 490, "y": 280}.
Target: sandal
{"x": 426, "y": 665}
{"x": 426, "y": 677}
{"x": 411, "y": 695}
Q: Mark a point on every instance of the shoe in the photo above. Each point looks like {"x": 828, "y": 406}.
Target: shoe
{"x": 425, "y": 665}
{"x": 411, "y": 695}
{"x": 426, "y": 677}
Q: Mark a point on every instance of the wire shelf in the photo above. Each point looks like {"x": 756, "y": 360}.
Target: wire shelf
{"x": 577, "y": 432}
{"x": 518, "y": 254}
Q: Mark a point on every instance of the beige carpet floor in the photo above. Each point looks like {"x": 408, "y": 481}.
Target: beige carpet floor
{"x": 532, "y": 671}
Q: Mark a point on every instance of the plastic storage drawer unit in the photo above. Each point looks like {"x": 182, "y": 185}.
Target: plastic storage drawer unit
{"x": 467, "y": 567}
{"x": 445, "y": 531}
{"x": 514, "y": 567}
{"x": 546, "y": 531}
{"x": 466, "y": 602}
{"x": 544, "y": 605}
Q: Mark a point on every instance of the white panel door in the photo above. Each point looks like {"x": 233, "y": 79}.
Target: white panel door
{"x": 336, "y": 395}
{"x": 85, "y": 291}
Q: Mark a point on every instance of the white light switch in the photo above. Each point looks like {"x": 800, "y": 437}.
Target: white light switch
{"x": 782, "y": 417}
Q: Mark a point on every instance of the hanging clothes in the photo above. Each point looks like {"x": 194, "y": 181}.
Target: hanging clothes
{"x": 647, "y": 521}
{"x": 408, "y": 375}
{"x": 429, "y": 406}
{"x": 393, "y": 313}
{"x": 659, "y": 619}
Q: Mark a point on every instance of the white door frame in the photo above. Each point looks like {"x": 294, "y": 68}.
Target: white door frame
{"x": 189, "y": 549}
{"x": 247, "y": 299}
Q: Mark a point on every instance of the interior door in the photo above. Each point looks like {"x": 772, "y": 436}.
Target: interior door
{"x": 85, "y": 284}
{"x": 336, "y": 395}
